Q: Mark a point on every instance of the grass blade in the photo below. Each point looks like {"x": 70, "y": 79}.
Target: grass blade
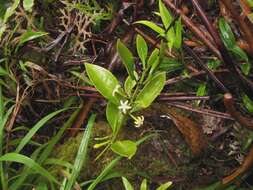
{"x": 81, "y": 154}
{"x": 104, "y": 172}
{"x": 33, "y": 130}
{"x": 19, "y": 158}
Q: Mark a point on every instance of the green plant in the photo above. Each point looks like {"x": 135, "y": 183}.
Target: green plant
{"x": 32, "y": 170}
{"x": 229, "y": 40}
{"x": 172, "y": 34}
{"x": 81, "y": 155}
{"x": 107, "y": 173}
{"x": 144, "y": 185}
{"x": 138, "y": 92}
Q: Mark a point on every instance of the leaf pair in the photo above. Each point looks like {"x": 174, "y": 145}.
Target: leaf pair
{"x": 173, "y": 35}
{"x": 144, "y": 185}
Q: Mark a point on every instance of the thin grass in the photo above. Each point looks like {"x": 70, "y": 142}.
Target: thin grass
{"x": 81, "y": 154}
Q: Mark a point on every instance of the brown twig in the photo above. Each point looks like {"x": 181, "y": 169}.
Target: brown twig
{"x": 246, "y": 165}
{"x": 200, "y": 110}
{"x": 183, "y": 98}
{"x": 191, "y": 75}
{"x": 82, "y": 116}
{"x": 230, "y": 107}
{"x": 206, "y": 69}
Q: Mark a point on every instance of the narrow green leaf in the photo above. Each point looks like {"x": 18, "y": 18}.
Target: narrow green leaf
{"x": 151, "y": 90}
{"x": 248, "y": 103}
{"x": 201, "y": 90}
{"x": 129, "y": 85}
{"x": 165, "y": 15}
{"x": 30, "y": 35}
{"x": 153, "y": 26}
{"x": 104, "y": 81}
{"x": 114, "y": 117}
{"x": 47, "y": 151}
{"x": 164, "y": 186}
{"x": 19, "y": 158}
{"x": 54, "y": 162}
{"x": 105, "y": 171}
{"x": 239, "y": 53}
{"x": 33, "y": 130}
{"x": 226, "y": 33}
{"x": 142, "y": 49}
{"x": 144, "y": 185}
{"x": 127, "y": 184}
{"x": 178, "y": 36}
{"x": 127, "y": 58}
{"x": 10, "y": 10}
{"x": 153, "y": 57}
{"x": 28, "y": 5}
{"x": 81, "y": 154}
{"x": 125, "y": 148}
{"x": 41, "y": 186}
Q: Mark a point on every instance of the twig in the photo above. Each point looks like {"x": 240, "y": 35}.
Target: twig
{"x": 191, "y": 75}
{"x": 201, "y": 110}
{"x": 206, "y": 69}
{"x": 230, "y": 107}
{"x": 246, "y": 165}
{"x": 82, "y": 116}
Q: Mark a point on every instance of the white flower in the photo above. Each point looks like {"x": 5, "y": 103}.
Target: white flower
{"x": 139, "y": 121}
{"x": 115, "y": 90}
{"x": 124, "y": 106}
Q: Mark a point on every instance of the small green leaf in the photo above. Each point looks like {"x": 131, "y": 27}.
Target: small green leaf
{"x": 165, "y": 15}
{"x": 127, "y": 58}
{"x": 170, "y": 65}
{"x": 245, "y": 67}
{"x": 144, "y": 185}
{"x": 213, "y": 64}
{"x": 104, "y": 81}
{"x": 114, "y": 117}
{"x": 127, "y": 184}
{"x": 153, "y": 26}
{"x": 179, "y": 30}
{"x": 11, "y": 10}
{"x": 30, "y": 35}
{"x": 142, "y": 49}
{"x": 239, "y": 53}
{"x": 226, "y": 33}
{"x": 248, "y": 103}
{"x": 125, "y": 148}
{"x": 201, "y": 90}
{"x": 153, "y": 57}
{"x": 164, "y": 186}
{"x": 129, "y": 85}
{"x": 151, "y": 90}
{"x": 28, "y": 5}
